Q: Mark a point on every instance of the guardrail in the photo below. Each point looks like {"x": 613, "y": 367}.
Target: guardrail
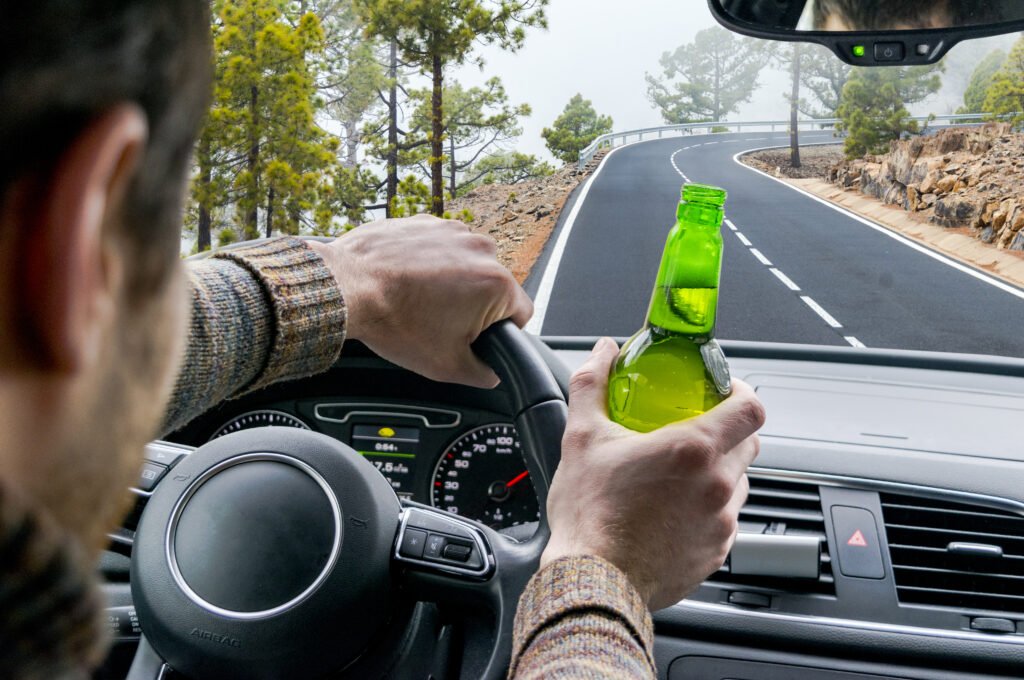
{"x": 608, "y": 141}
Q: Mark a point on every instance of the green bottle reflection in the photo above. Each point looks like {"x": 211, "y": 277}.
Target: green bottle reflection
{"x": 673, "y": 369}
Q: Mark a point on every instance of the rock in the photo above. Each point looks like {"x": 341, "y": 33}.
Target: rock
{"x": 945, "y": 185}
{"x": 1018, "y": 221}
{"x": 998, "y": 220}
{"x": 960, "y": 185}
{"x": 956, "y": 212}
{"x": 987, "y": 235}
{"x": 1018, "y": 242}
{"x": 928, "y": 183}
{"x": 929, "y": 199}
{"x": 913, "y": 199}
{"x": 544, "y": 210}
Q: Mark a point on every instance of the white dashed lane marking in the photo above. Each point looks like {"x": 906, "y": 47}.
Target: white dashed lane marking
{"x": 786, "y": 281}
{"x": 820, "y": 311}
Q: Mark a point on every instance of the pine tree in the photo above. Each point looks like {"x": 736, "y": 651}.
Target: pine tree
{"x": 981, "y": 81}
{"x": 432, "y": 35}
{"x": 707, "y": 79}
{"x": 874, "y": 104}
{"x": 1005, "y": 96}
{"x": 578, "y": 125}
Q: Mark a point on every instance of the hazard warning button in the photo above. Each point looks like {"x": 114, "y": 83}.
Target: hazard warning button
{"x": 860, "y": 554}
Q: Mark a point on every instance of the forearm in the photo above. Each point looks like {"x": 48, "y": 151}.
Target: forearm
{"x": 580, "y": 618}
{"x": 260, "y": 315}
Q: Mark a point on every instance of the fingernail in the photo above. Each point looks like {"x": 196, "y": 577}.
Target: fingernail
{"x": 603, "y": 344}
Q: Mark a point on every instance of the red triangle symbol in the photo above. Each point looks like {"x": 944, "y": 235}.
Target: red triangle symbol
{"x": 857, "y": 539}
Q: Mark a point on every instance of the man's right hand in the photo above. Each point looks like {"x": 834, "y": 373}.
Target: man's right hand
{"x": 420, "y": 290}
{"x": 661, "y": 506}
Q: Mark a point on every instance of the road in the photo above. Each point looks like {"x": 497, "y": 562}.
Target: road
{"x": 795, "y": 270}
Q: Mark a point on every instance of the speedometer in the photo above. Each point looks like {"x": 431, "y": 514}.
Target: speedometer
{"x": 265, "y": 418}
{"x": 482, "y": 476}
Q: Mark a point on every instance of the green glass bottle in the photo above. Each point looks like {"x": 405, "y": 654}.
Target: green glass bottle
{"x": 673, "y": 369}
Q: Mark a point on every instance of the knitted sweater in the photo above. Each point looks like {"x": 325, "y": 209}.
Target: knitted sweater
{"x": 263, "y": 314}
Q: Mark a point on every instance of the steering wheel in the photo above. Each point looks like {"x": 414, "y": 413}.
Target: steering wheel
{"x": 279, "y": 552}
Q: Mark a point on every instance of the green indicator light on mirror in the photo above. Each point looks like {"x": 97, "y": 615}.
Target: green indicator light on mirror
{"x": 859, "y": 50}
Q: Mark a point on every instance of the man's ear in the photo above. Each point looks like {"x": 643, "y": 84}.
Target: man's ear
{"x": 72, "y": 260}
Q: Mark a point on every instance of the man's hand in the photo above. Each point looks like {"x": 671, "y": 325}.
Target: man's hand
{"x": 420, "y": 290}
{"x": 661, "y": 506}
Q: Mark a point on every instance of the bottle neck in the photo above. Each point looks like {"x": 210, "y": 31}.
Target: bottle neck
{"x": 685, "y": 296}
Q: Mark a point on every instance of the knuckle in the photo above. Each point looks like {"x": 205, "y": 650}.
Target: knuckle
{"x": 754, "y": 413}
{"x": 699, "y": 450}
{"x": 483, "y": 243}
{"x": 582, "y": 380}
{"x": 575, "y": 439}
{"x": 719, "y": 490}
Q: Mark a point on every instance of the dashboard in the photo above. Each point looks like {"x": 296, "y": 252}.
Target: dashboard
{"x": 462, "y": 455}
{"x": 883, "y": 538}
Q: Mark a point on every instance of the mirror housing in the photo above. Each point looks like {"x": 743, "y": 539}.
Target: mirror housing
{"x": 778, "y": 20}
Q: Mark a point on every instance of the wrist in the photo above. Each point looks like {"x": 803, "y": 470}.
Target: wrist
{"x": 336, "y": 261}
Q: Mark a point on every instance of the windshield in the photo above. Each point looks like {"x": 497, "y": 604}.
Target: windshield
{"x": 874, "y": 208}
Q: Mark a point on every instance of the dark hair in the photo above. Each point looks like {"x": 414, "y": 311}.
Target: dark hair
{"x": 64, "y": 62}
{"x": 876, "y": 15}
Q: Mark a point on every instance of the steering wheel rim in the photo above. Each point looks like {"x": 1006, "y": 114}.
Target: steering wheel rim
{"x": 539, "y": 414}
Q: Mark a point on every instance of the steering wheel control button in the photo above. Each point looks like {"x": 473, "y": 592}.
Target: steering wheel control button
{"x": 745, "y": 599}
{"x": 435, "y": 544}
{"x": 413, "y": 542}
{"x": 992, "y": 625}
{"x": 457, "y": 552}
{"x": 149, "y": 476}
{"x": 163, "y": 454}
{"x": 450, "y": 545}
{"x": 889, "y": 51}
{"x": 860, "y": 555}
{"x": 261, "y": 522}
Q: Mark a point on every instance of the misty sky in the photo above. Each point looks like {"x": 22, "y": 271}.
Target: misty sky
{"x": 602, "y": 49}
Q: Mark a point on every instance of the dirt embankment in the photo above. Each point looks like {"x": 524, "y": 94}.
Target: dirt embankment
{"x": 958, "y": 191}
{"x": 521, "y": 217}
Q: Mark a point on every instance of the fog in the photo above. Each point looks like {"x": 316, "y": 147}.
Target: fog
{"x": 602, "y": 49}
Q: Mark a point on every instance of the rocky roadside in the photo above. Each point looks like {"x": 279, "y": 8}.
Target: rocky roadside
{"x": 815, "y": 161}
{"x": 521, "y": 217}
{"x": 966, "y": 178}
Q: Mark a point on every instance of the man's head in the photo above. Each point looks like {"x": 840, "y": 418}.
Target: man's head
{"x": 880, "y": 15}
{"x": 101, "y": 102}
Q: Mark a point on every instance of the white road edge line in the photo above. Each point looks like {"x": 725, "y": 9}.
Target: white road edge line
{"x": 729, "y": 224}
{"x": 1016, "y": 292}
{"x": 854, "y": 342}
{"x": 743, "y": 239}
{"x": 820, "y": 311}
{"x": 760, "y": 257}
{"x": 788, "y": 282}
{"x": 547, "y": 282}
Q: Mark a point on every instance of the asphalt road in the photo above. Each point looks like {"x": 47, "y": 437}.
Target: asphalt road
{"x": 794, "y": 269}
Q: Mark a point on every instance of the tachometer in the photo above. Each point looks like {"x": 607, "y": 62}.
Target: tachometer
{"x": 482, "y": 476}
{"x": 265, "y": 418}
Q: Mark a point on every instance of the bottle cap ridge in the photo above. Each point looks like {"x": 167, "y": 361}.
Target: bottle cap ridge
{"x": 705, "y": 194}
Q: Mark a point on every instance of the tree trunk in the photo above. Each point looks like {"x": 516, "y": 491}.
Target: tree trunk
{"x": 252, "y": 228}
{"x": 794, "y": 101}
{"x": 451, "y": 165}
{"x": 392, "y": 159}
{"x": 351, "y": 143}
{"x": 437, "y": 140}
{"x": 270, "y": 212}
{"x": 205, "y": 182}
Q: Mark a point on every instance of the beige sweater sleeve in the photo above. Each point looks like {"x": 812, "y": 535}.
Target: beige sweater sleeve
{"x": 579, "y": 617}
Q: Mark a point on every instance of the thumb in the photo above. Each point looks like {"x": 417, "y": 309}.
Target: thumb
{"x": 588, "y": 388}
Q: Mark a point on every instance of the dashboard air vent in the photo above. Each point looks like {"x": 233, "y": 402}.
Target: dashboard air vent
{"x": 790, "y": 508}
{"x": 955, "y": 554}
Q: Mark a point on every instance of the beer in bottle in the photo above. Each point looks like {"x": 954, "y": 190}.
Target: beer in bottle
{"x": 673, "y": 368}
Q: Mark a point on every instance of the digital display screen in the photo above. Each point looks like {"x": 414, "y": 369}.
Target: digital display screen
{"x": 392, "y": 450}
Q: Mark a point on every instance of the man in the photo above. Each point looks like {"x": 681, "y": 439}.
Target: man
{"x": 879, "y": 15}
{"x": 101, "y": 103}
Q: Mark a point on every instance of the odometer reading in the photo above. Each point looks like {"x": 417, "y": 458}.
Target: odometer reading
{"x": 482, "y": 476}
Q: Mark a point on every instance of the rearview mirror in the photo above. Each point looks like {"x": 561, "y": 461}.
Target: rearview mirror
{"x": 873, "y": 32}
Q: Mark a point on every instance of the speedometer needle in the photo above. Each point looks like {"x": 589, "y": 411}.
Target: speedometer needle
{"x": 518, "y": 478}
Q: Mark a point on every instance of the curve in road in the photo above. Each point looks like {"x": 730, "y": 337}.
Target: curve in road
{"x": 795, "y": 268}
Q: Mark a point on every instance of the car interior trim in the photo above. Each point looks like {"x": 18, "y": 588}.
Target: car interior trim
{"x": 377, "y": 410}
